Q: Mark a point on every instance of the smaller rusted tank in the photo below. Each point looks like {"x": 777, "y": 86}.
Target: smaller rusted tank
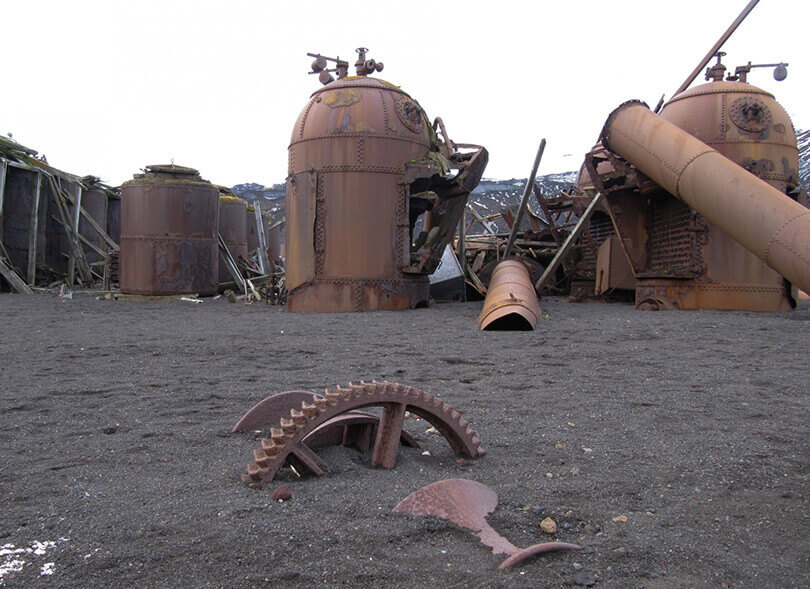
{"x": 233, "y": 229}
{"x": 94, "y": 201}
{"x": 252, "y": 229}
{"x": 169, "y": 218}
{"x": 274, "y": 253}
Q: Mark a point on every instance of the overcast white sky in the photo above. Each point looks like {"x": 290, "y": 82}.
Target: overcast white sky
{"x": 106, "y": 87}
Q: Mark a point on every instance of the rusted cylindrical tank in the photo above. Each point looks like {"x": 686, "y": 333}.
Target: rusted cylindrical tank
{"x": 233, "y": 228}
{"x": 745, "y": 124}
{"x": 94, "y": 201}
{"x": 18, "y": 203}
{"x": 511, "y": 303}
{"x": 274, "y": 250}
{"x": 347, "y": 227}
{"x": 769, "y": 224}
{"x": 169, "y": 218}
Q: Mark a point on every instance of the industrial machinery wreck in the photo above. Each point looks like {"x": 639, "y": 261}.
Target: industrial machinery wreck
{"x": 374, "y": 195}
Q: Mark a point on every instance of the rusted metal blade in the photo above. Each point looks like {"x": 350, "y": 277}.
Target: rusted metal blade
{"x": 465, "y": 503}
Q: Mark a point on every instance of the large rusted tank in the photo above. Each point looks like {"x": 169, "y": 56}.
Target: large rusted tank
{"x": 169, "y": 218}
{"x": 370, "y": 204}
{"x": 233, "y": 229}
{"x": 720, "y": 233}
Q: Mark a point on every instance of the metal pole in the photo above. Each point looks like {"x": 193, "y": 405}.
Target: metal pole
{"x": 264, "y": 263}
{"x": 33, "y": 229}
{"x": 462, "y": 248}
{"x": 723, "y": 38}
{"x": 525, "y": 200}
{"x": 3, "y": 173}
{"x": 569, "y": 243}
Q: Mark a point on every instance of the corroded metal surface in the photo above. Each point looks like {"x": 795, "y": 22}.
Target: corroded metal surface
{"x": 169, "y": 218}
{"x": 734, "y": 207}
{"x": 355, "y": 428}
{"x": 369, "y": 207}
{"x": 233, "y": 228}
{"x": 467, "y": 504}
{"x": 286, "y": 442}
{"x": 745, "y": 124}
{"x": 511, "y": 302}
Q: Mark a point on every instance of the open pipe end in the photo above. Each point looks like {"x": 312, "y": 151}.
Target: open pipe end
{"x": 604, "y": 136}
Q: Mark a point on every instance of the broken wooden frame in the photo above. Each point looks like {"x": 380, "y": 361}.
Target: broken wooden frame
{"x": 68, "y": 217}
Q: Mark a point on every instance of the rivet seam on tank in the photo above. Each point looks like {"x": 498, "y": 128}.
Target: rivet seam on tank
{"x": 304, "y": 118}
{"x": 686, "y": 164}
{"x": 786, "y": 245}
{"x": 390, "y": 124}
{"x": 343, "y": 97}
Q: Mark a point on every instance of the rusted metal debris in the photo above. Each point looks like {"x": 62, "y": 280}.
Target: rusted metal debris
{"x": 467, "y": 504}
{"x": 371, "y": 203}
{"x": 354, "y": 429}
{"x": 511, "y": 303}
{"x": 286, "y": 443}
{"x": 698, "y": 248}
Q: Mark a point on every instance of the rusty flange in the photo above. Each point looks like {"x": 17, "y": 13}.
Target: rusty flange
{"x": 286, "y": 442}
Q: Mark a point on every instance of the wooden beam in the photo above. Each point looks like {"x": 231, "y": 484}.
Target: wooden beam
{"x": 264, "y": 262}
{"x": 87, "y": 217}
{"x": 76, "y": 216}
{"x": 13, "y": 278}
{"x": 33, "y": 230}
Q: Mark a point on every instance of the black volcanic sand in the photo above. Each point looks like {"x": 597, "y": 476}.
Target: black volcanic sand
{"x": 115, "y": 421}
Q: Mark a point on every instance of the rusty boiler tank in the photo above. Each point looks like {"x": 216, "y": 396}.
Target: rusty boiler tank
{"x": 169, "y": 218}
{"x": 748, "y": 126}
{"x": 720, "y": 222}
{"x": 373, "y": 194}
{"x": 233, "y": 229}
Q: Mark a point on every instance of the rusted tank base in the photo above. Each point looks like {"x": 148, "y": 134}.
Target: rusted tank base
{"x": 667, "y": 294}
{"x": 154, "y": 266}
{"x": 353, "y": 295}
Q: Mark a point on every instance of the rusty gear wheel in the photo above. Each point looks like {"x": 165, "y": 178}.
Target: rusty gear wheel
{"x": 285, "y": 443}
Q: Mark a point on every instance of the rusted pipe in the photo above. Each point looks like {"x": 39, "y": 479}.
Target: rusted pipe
{"x": 765, "y": 221}
{"x": 511, "y": 303}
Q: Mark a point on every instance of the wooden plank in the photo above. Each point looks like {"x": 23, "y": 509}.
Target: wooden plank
{"x": 569, "y": 243}
{"x": 87, "y": 217}
{"x": 13, "y": 278}
{"x": 33, "y": 229}
{"x": 76, "y": 217}
{"x": 264, "y": 262}
{"x": 76, "y": 248}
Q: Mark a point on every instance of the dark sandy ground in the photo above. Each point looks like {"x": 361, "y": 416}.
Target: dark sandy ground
{"x": 119, "y": 469}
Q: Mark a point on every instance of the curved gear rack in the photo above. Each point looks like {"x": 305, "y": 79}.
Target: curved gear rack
{"x": 285, "y": 443}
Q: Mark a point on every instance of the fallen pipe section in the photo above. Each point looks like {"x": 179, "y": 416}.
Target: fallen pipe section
{"x": 763, "y": 220}
{"x": 511, "y": 302}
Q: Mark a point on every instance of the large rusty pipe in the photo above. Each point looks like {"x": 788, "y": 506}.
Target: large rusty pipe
{"x": 511, "y": 302}
{"x": 761, "y": 218}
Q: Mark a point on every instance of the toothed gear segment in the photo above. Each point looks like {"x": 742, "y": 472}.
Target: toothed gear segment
{"x": 285, "y": 443}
